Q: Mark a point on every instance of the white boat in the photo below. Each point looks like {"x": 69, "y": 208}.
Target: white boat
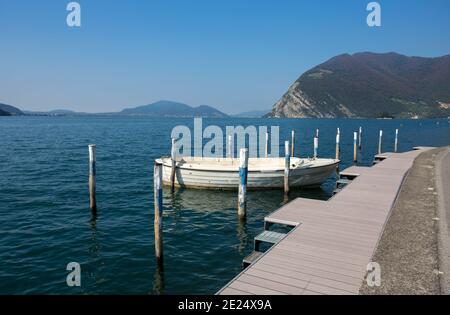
{"x": 263, "y": 173}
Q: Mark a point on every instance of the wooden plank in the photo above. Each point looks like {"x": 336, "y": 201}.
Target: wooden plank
{"x": 281, "y": 278}
{"x": 306, "y": 252}
{"x": 360, "y": 217}
{"x": 340, "y": 228}
{"x": 328, "y": 290}
{"x": 270, "y": 284}
{"x": 339, "y": 208}
{"x": 317, "y": 268}
{"x": 311, "y": 249}
{"x": 335, "y": 209}
{"x": 231, "y": 291}
{"x": 314, "y": 259}
{"x": 307, "y": 292}
{"x": 308, "y": 274}
{"x": 253, "y": 289}
{"x": 332, "y": 237}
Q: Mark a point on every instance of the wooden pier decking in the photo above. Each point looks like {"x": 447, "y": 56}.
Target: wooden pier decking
{"x": 333, "y": 241}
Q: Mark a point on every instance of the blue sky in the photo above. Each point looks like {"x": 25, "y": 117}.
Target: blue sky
{"x": 236, "y": 55}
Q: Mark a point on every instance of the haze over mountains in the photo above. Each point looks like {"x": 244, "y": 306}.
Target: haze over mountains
{"x": 157, "y": 109}
{"x": 174, "y": 109}
{"x": 370, "y": 85}
{"x": 253, "y": 114}
{"x": 362, "y": 85}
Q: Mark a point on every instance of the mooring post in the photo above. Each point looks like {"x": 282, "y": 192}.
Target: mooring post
{"x": 158, "y": 196}
{"x": 293, "y": 143}
{"x": 173, "y": 159}
{"x": 92, "y": 173}
{"x": 380, "y": 141}
{"x": 230, "y": 152}
{"x": 355, "y": 150}
{"x": 338, "y": 149}
{"x": 267, "y": 145}
{"x": 316, "y": 147}
{"x": 287, "y": 163}
{"x": 396, "y": 141}
{"x": 243, "y": 174}
{"x": 360, "y": 137}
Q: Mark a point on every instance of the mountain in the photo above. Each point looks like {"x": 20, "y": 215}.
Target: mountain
{"x": 253, "y": 114}
{"x": 14, "y": 111}
{"x": 370, "y": 85}
{"x": 173, "y": 109}
{"x": 3, "y": 113}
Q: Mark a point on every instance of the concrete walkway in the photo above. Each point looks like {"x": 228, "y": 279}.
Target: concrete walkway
{"x": 408, "y": 249}
{"x": 442, "y": 174}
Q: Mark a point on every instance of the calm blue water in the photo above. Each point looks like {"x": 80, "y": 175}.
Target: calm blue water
{"x": 46, "y": 222}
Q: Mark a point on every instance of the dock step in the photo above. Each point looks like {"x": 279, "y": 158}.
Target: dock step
{"x": 343, "y": 181}
{"x": 349, "y": 176}
{"x": 268, "y": 237}
{"x": 340, "y": 184}
{"x": 247, "y": 261}
{"x": 378, "y": 158}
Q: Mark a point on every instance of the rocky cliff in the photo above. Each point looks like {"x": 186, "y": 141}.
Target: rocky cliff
{"x": 370, "y": 85}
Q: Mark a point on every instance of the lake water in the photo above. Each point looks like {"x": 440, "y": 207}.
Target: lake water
{"x": 44, "y": 203}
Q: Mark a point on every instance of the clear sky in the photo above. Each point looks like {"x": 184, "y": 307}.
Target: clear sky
{"x": 235, "y": 55}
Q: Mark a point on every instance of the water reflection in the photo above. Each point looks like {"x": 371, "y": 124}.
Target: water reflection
{"x": 208, "y": 201}
{"x": 94, "y": 247}
{"x": 242, "y": 236}
{"x": 158, "y": 283}
{"x": 94, "y": 244}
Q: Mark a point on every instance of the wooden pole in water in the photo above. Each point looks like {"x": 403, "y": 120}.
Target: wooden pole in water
{"x": 267, "y": 145}
{"x": 293, "y": 143}
{"x": 230, "y": 152}
{"x": 287, "y": 163}
{"x": 243, "y": 174}
{"x": 92, "y": 174}
{"x": 355, "y": 150}
{"x": 338, "y": 149}
{"x": 396, "y": 141}
{"x": 380, "y": 141}
{"x": 316, "y": 147}
{"x": 173, "y": 156}
{"x": 317, "y": 133}
{"x": 158, "y": 196}
{"x": 360, "y": 137}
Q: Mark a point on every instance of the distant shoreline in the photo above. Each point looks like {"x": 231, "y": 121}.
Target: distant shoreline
{"x": 222, "y": 118}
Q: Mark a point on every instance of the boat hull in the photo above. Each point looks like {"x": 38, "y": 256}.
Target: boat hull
{"x": 226, "y": 179}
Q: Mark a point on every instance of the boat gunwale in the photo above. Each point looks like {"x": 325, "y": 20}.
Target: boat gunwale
{"x": 177, "y": 166}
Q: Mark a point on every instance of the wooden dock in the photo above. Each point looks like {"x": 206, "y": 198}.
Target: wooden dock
{"x": 332, "y": 241}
